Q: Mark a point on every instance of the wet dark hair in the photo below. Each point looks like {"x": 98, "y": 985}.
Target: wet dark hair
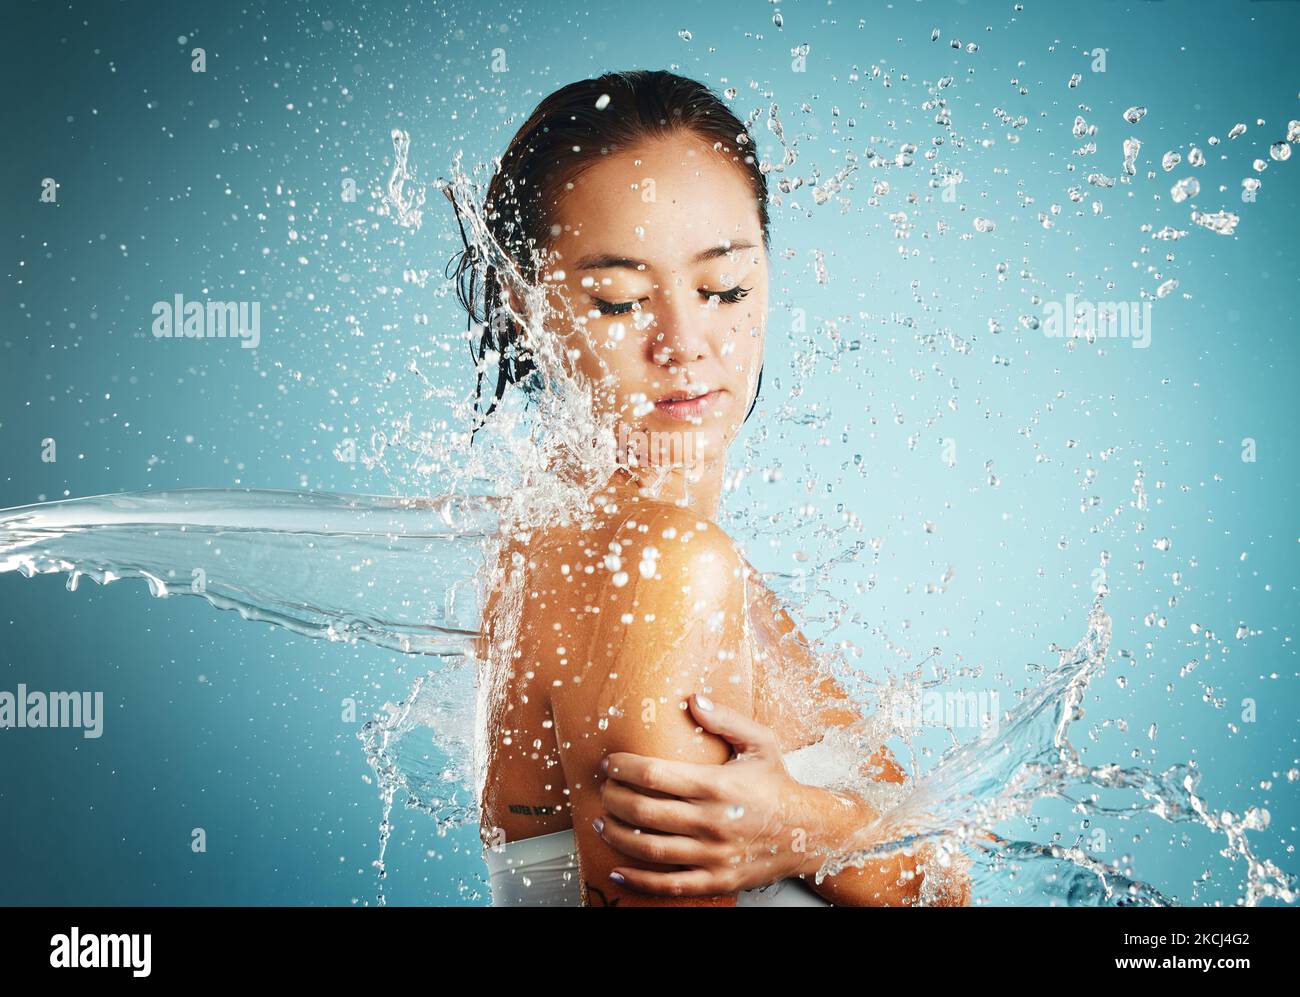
{"x": 567, "y": 133}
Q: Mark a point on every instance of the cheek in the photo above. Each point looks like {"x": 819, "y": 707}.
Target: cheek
{"x": 581, "y": 337}
{"x": 608, "y": 349}
{"x": 745, "y": 339}
{"x": 613, "y": 337}
{"x": 604, "y": 357}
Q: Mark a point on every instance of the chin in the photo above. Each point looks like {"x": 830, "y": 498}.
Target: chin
{"x": 666, "y": 441}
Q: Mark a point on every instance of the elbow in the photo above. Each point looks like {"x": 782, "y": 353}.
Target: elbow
{"x": 944, "y": 883}
{"x": 954, "y": 891}
{"x": 918, "y": 880}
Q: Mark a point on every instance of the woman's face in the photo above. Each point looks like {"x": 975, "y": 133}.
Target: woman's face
{"x": 660, "y": 288}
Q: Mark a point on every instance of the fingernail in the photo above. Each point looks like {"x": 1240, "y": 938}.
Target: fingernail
{"x": 703, "y": 702}
{"x": 599, "y": 825}
{"x": 617, "y": 877}
{"x": 604, "y": 764}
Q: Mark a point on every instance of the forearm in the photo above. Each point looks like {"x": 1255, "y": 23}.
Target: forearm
{"x": 834, "y": 822}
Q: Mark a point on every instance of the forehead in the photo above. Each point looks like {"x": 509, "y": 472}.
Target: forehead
{"x": 662, "y": 201}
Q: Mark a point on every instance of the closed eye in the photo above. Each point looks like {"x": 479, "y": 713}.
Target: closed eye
{"x": 730, "y": 296}
{"x": 614, "y": 308}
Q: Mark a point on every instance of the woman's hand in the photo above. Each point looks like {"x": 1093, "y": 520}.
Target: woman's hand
{"x": 715, "y": 828}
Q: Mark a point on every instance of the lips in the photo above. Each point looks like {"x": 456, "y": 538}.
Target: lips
{"x": 684, "y": 406}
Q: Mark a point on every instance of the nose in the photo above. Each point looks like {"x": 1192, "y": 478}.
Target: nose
{"x": 680, "y": 334}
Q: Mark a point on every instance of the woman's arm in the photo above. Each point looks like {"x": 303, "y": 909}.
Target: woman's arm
{"x": 895, "y": 880}
{"x": 790, "y": 828}
{"x": 665, "y": 617}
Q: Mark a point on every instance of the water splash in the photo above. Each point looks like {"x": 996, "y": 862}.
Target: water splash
{"x": 404, "y": 197}
{"x": 977, "y": 786}
{"x": 337, "y": 567}
{"x": 422, "y": 750}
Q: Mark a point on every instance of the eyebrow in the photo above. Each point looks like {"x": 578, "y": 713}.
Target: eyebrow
{"x": 606, "y": 261}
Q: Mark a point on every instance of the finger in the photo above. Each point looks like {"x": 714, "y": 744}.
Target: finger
{"x": 683, "y": 883}
{"x": 745, "y": 734}
{"x": 651, "y": 813}
{"x": 883, "y": 768}
{"x": 659, "y": 849}
{"x": 688, "y": 780}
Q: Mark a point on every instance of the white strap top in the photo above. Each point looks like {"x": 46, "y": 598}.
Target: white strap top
{"x": 543, "y": 872}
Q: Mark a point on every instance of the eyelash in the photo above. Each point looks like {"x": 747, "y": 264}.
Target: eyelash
{"x": 730, "y": 296}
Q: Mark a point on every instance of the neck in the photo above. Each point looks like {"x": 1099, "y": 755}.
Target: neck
{"x": 698, "y": 487}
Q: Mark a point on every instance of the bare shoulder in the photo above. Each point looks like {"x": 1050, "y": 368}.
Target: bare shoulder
{"x": 665, "y": 616}
{"x": 652, "y": 586}
{"x": 663, "y": 549}
{"x": 644, "y": 542}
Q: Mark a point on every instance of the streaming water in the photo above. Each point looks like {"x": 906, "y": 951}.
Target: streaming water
{"x": 340, "y": 567}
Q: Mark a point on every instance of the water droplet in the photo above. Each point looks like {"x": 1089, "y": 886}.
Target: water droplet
{"x": 1185, "y": 188}
{"x": 1132, "y": 147}
{"x": 1222, "y": 222}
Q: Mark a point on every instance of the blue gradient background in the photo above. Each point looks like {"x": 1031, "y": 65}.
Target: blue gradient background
{"x": 226, "y": 185}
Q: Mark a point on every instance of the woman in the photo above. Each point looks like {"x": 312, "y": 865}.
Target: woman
{"x": 631, "y": 651}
